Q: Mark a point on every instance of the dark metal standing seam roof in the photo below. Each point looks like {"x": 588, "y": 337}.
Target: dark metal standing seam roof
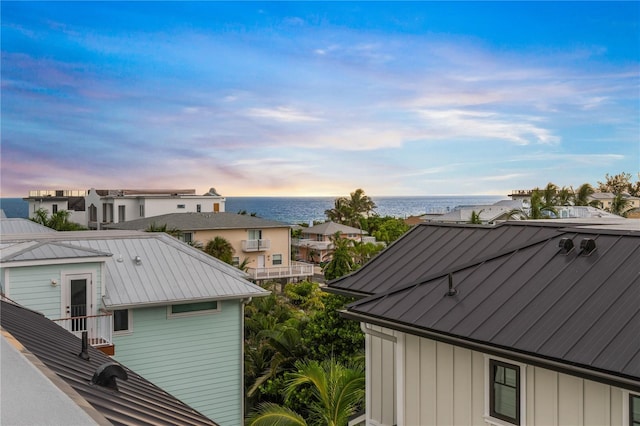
{"x": 136, "y": 402}
{"x": 573, "y": 309}
{"x": 428, "y": 249}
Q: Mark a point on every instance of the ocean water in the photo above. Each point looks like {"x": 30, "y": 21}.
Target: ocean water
{"x": 306, "y": 209}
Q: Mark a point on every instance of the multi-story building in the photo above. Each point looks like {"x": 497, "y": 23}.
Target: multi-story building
{"x": 95, "y": 208}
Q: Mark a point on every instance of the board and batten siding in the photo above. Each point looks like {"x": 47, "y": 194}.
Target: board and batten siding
{"x": 442, "y": 384}
{"x": 196, "y": 358}
{"x": 30, "y": 286}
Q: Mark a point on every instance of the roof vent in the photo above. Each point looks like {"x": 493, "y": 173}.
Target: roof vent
{"x": 107, "y": 373}
{"x": 587, "y": 246}
{"x": 452, "y": 291}
{"x": 566, "y": 245}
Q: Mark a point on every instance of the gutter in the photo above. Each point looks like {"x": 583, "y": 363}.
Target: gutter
{"x": 626, "y": 382}
{"x": 242, "y": 297}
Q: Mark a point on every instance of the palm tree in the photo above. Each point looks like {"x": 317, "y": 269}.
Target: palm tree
{"x": 620, "y": 205}
{"x": 582, "y": 194}
{"x": 341, "y": 211}
{"x": 336, "y": 392}
{"x": 220, "y": 249}
{"x": 58, "y": 221}
{"x": 361, "y": 204}
{"x": 341, "y": 262}
{"x": 475, "y": 217}
{"x": 174, "y": 232}
{"x": 540, "y": 206}
{"x": 564, "y": 196}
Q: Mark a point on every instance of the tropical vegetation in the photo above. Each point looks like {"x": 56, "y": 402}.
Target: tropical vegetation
{"x": 58, "y": 220}
{"x": 294, "y": 334}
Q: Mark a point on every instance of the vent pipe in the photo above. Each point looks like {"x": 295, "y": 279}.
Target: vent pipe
{"x": 84, "y": 353}
{"x": 452, "y": 291}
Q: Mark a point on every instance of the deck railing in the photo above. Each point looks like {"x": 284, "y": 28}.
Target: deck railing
{"x": 296, "y": 269}
{"x": 98, "y": 327}
{"x": 255, "y": 245}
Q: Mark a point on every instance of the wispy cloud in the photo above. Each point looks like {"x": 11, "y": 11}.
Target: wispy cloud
{"x": 281, "y": 113}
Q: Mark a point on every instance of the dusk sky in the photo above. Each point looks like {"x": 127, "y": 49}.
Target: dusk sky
{"x": 318, "y": 98}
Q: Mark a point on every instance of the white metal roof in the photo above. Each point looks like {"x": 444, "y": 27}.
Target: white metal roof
{"x": 167, "y": 270}
{"x": 21, "y": 226}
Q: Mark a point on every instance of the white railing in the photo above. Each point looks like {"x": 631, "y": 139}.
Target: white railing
{"x": 58, "y": 193}
{"x": 312, "y": 244}
{"x": 98, "y": 327}
{"x": 256, "y": 245}
{"x": 296, "y": 269}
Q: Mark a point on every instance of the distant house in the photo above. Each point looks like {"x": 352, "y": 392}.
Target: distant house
{"x": 520, "y": 324}
{"x": 166, "y": 310}
{"x": 264, "y": 244}
{"x": 95, "y": 208}
{"x": 315, "y": 244}
{"x": 49, "y": 378}
{"x": 606, "y": 199}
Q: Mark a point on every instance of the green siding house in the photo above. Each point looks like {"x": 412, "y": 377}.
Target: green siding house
{"x": 161, "y": 307}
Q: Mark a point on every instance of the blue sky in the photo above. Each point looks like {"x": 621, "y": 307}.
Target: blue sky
{"x": 318, "y": 98}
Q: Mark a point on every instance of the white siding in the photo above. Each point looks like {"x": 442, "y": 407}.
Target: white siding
{"x": 31, "y": 286}
{"x": 441, "y": 384}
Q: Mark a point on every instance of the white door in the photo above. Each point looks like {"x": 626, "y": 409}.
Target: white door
{"x": 77, "y": 302}
{"x": 261, "y": 262}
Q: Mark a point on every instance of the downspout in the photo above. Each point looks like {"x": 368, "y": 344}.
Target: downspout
{"x": 243, "y": 303}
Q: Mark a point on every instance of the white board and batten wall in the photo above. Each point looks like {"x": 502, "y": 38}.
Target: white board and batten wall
{"x": 414, "y": 381}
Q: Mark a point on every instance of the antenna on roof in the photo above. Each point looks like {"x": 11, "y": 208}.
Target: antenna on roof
{"x": 452, "y": 291}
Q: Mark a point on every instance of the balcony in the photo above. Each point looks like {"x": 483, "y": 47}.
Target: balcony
{"x": 312, "y": 244}
{"x": 255, "y": 245}
{"x": 98, "y": 327}
{"x": 296, "y": 269}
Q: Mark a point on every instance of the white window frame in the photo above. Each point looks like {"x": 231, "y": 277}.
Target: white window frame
{"x": 626, "y": 408}
{"x": 171, "y": 315}
{"x": 487, "y": 391}
{"x": 273, "y": 259}
{"x": 129, "y": 329}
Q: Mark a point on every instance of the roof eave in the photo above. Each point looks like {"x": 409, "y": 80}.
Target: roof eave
{"x": 609, "y": 378}
{"x": 182, "y": 301}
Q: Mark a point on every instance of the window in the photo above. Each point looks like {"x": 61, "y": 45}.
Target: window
{"x": 504, "y": 391}
{"x": 122, "y": 321}
{"x": 235, "y": 261}
{"x": 187, "y": 237}
{"x": 54, "y": 209}
{"x": 181, "y": 206}
{"x": 191, "y": 309}
{"x": 634, "y": 410}
{"x": 121, "y": 217}
{"x": 141, "y": 210}
{"x": 93, "y": 213}
{"x": 277, "y": 259}
{"x": 199, "y": 208}
{"x": 255, "y": 234}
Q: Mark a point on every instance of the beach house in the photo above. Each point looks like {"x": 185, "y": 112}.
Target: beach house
{"x": 49, "y": 377}
{"x": 95, "y": 208}
{"x": 518, "y": 324}
{"x": 162, "y": 308}
{"x": 262, "y": 246}
{"x": 315, "y": 244}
